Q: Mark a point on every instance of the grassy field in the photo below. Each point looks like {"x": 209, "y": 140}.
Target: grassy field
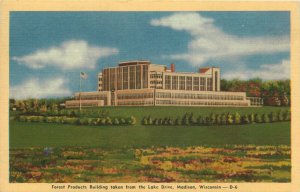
{"x": 80, "y": 153}
{"x": 56, "y": 135}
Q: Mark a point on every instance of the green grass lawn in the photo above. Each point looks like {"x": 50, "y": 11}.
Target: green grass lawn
{"x": 24, "y": 134}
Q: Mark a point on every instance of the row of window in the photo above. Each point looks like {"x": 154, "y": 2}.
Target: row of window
{"x": 206, "y": 103}
{"x": 188, "y": 83}
{"x": 124, "y": 103}
{"x": 156, "y": 76}
{"x": 129, "y": 77}
{"x": 198, "y": 96}
{"x": 82, "y": 104}
{"x": 135, "y": 96}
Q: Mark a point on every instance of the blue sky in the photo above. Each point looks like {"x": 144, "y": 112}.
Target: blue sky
{"x": 49, "y": 49}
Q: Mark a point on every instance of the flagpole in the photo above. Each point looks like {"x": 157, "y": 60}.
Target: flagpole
{"x": 80, "y": 92}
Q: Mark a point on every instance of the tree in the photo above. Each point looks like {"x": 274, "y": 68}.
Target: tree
{"x": 36, "y": 105}
{"x": 284, "y": 99}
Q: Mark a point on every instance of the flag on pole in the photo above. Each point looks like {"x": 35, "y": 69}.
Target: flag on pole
{"x": 83, "y": 75}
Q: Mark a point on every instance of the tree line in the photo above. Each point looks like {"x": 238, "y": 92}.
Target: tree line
{"x": 273, "y": 92}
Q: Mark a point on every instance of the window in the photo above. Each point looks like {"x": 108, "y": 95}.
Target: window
{"x": 138, "y": 77}
{"x": 145, "y": 76}
{"x": 216, "y": 81}
{"x": 167, "y": 82}
{"x": 196, "y": 84}
{"x": 182, "y": 82}
{"x": 119, "y": 79}
{"x": 202, "y": 83}
{"x": 125, "y": 77}
{"x": 174, "y": 82}
{"x": 189, "y": 83}
{"x": 209, "y": 84}
{"x": 132, "y": 77}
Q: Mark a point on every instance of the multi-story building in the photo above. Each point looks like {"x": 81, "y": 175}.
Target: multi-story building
{"x": 143, "y": 83}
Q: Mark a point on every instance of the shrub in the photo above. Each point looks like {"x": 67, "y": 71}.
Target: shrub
{"x": 258, "y": 118}
{"x": 165, "y": 121}
{"x": 287, "y": 115}
{"x": 280, "y": 116}
{"x": 218, "y": 119}
{"x": 122, "y": 121}
{"x": 273, "y": 117}
{"x": 102, "y": 121}
{"x": 145, "y": 121}
{"x": 22, "y": 118}
{"x": 245, "y": 119}
{"x": 252, "y": 118}
{"x": 192, "y": 119}
{"x": 265, "y": 118}
{"x": 90, "y": 121}
{"x": 150, "y": 121}
{"x": 49, "y": 119}
{"x": 223, "y": 119}
{"x": 116, "y": 121}
{"x": 237, "y": 118}
{"x": 71, "y": 120}
{"x": 212, "y": 119}
{"x": 200, "y": 120}
{"x": 83, "y": 121}
{"x": 177, "y": 121}
{"x": 229, "y": 119}
{"x": 108, "y": 121}
{"x": 185, "y": 120}
{"x": 41, "y": 119}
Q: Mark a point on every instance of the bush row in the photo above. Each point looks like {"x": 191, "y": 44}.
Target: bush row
{"x": 219, "y": 119}
{"x": 79, "y": 121}
{"x": 95, "y": 113}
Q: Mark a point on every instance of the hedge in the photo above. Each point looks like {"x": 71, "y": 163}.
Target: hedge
{"x": 189, "y": 119}
{"x": 79, "y": 120}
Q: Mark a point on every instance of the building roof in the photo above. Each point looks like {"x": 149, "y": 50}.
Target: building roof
{"x": 204, "y": 70}
{"x": 134, "y": 62}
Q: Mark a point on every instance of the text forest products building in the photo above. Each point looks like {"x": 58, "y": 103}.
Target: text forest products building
{"x": 138, "y": 83}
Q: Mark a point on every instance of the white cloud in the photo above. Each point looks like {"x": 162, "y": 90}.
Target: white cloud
{"x": 266, "y": 71}
{"x": 73, "y": 54}
{"x": 36, "y": 88}
{"x": 209, "y": 42}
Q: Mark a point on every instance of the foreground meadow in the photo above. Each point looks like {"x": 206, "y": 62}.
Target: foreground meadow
{"x": 232, "y": 163}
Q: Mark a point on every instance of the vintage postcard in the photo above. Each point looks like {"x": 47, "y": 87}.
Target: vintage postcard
{"x": 149, "y": 96}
